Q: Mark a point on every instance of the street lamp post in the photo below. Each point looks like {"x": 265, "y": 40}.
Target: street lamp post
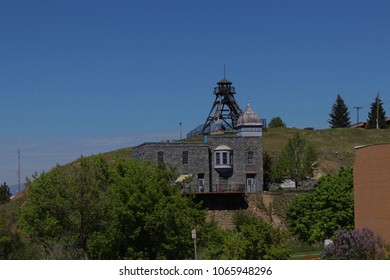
{"x": 193, "y": 234}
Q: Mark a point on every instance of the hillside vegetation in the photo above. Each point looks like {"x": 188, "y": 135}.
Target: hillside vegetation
{"x": 327, "y": 142}
{"x": 18, "y": 219}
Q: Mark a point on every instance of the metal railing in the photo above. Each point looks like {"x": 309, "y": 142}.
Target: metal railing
{"x": 216, "y": 188}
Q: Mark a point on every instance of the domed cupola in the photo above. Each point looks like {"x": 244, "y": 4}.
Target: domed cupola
{"x": 249, "y": 123}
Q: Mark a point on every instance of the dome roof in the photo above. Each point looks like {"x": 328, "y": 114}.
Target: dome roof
{"x": 249, "y": 118}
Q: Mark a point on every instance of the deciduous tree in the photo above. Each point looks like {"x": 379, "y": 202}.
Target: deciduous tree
{"x": 296, "y": 160}
{"x": 318, "y": 215}
{"x": 276, "y": 122}
{"x": 147, "y": 217}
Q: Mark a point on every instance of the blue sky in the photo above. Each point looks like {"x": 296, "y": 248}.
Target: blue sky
{"x": 83, "y": 77}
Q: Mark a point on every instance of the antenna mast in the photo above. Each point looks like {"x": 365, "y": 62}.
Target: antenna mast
{"x": 18, "y": 170}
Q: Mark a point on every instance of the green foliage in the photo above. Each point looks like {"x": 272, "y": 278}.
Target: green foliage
{"x": 267, "y": 168}
{"x": 318, "y": 215}
{"x": 148, "y": 218}
{"x": 45, "y": 216}
{"x": 377, "y": 106}
{"x": 260, "y": 241}
{"x": 339, "y": 117}
{"x": 252, "y": 239}
{"x": 5, "y": 193}
{"x": 276, "y": 122}
{"x": 296, "y": 160}
{"x": 118, "y": 210}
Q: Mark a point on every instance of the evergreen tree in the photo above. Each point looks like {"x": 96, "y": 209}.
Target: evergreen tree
{"x": 339, "y": 117}
{"x": 5, "y": 193}
{"x": 372, "y": 115}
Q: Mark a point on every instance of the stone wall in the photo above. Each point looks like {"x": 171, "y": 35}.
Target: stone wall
{"x": 198, "y": 157}
{"x": 241, "y": 146}
{"x": 201, "y": 161}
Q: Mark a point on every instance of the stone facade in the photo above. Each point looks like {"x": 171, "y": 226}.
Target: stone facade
{"x": 237, "y": 168}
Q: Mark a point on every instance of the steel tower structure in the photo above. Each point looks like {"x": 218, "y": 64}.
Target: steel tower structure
{"x": 225, "y": 110}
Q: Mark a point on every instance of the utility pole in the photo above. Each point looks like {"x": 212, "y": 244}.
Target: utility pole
{"x": 18, "y": 170}
{"x": 357, "y": 111}
{"x": 377, "y": 111}
{"x": 180, "y": 131}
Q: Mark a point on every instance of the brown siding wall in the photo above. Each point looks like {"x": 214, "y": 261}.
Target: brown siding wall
{"x": 372, "y": 189}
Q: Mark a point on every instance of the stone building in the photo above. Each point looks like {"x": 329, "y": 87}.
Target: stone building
{"x": 224, "y": 162}
{"x": 371, "y": 188}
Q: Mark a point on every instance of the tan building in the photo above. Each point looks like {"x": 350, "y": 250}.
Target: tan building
{"x": 372, "y": 188}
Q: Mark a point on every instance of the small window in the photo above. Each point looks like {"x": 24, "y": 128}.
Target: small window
{"x": 250, "y": 159}
{"x": 217, "y": 159}
{"x": 224, "y": 158}
{"x": 160, "y": 157}
{"x": 185, "y": 157}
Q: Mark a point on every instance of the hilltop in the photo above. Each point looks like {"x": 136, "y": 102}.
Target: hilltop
{"x": 336, "y": 147}
{"x": 326, "y": 141}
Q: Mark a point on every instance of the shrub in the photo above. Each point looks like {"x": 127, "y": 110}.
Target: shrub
{"x": 355, "y": 245}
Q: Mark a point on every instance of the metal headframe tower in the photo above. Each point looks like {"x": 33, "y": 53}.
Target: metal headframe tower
{"x": 225, "y": 111}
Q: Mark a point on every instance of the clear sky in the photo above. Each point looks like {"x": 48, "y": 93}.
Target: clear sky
{"x": 89, "y": 76}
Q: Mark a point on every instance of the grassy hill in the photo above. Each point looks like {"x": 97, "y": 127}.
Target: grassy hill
{"x": 327, "y": 142}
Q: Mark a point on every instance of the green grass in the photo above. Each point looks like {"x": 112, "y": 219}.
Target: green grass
{"x": 301, "y": 251}
{"x": 327, "y": 142}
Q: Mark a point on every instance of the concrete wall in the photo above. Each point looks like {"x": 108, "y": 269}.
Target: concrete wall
{"x": 372, "y": 189}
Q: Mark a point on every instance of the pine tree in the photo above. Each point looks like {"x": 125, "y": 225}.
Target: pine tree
{"x": 339, "y": 117}
{"x": 372, "y": 115}
{"x": 5, "y": 193}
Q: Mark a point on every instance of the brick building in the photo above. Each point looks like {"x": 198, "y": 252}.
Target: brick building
{"x": 372, "y": 188}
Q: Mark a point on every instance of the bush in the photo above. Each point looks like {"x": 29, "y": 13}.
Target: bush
{"x": 276, "y": 122}
{"x": 355, "y": 245}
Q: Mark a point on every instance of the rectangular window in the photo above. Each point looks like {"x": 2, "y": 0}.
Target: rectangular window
{"x": 160, "y": 157}
{"x": 225, "y": 158}
{"x": 217, "y": 159}
{"x": 185, "y": 157}
{"x": 250, "y": 158}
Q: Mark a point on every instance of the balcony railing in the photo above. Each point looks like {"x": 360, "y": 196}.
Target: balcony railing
{"x": 216, "y": 188}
